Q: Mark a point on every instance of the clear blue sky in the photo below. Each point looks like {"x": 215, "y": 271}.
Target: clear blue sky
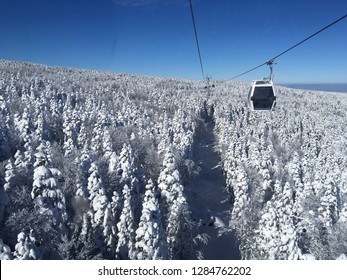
{"x": 155, "y": 37}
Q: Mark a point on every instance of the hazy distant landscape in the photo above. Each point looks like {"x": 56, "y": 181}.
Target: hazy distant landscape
{"x": 340, "y": 87}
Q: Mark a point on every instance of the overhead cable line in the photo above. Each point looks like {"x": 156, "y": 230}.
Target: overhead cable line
{"x": 270, "y": 61}
{"x": 196, "y": 39}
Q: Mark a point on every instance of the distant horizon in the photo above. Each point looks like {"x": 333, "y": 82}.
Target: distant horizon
{"x": 319, "y": 86}
{"x": 330, "y": 87}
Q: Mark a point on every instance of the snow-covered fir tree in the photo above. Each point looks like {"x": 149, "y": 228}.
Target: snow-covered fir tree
{"x": 126, "y": 232}
{"x": 150, "y": 242}
{"x": 10, "y": 175}
{"x": 25, "y": 248}
{"x": 5, "y": 251}
{"x": 175, "y": 209}
{"x": 46, "y": 192}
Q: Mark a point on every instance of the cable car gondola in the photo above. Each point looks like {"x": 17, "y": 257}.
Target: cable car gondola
{"x": 262, "y": 96}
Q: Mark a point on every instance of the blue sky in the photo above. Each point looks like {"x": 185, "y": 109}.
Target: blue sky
{"x": 155, "y": 37}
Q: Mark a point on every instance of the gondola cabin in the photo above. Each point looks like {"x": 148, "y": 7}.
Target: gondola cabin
{"x": 262, "y": 96}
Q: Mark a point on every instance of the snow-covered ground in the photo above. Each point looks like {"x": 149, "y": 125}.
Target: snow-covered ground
{"x": 208, "y": 199}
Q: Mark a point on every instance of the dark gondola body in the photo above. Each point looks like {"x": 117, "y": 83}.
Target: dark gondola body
{"x": 262, "y": 96}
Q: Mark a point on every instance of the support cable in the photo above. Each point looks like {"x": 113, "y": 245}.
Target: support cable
{"x": 196, "y": 39}
{"x": 270, "y": 61}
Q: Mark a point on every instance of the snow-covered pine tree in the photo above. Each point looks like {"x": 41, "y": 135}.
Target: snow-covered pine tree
{"x": 126, "y": 234}
{"x": 113, "y": 163}
{"x": 264, "y": 171}
{"x": 107, "y": 146}
{"x": 82, "y": 138}
{"x": 112, "y": 216}
{"x": 296, "y": 172}
{"x": 10, "y": 174}
{"x": 80, "y": 202}
{"x": 101, "y": 211}
{"x": 110, "y": 229}
{"x": 126, "y": 164}
{"x": 98, "y": 130}
{"x": 23, "y": 125}
{"x": 267, "y": 239}
{"x": 40, "y": 132}
{"x": 168, "y": 177}
{"x": 46, "y": 191}
{"x": 4, "y": 144}
{"x": 175, "y": 210}
{"x": 5, "y": 251}
{"x": 150, "y": 239}
{"x": 328, "y": 203}
{"x": 28, "y": 155}
{"x": 69, "y": 133}
{"x": 127, "y": 170}
{"x": 241, "y": 199}
{"x": 25, "y": 248}
{"x": 97, "y": 197}
{"x": 288, "y": 238}
{"x": 343, "y": 213}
